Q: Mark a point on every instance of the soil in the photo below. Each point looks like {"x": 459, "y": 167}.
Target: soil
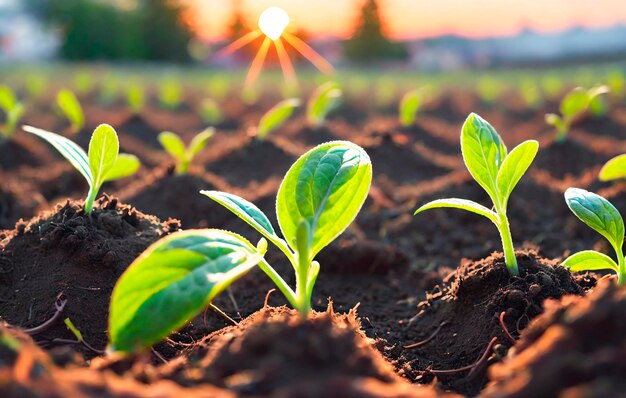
{"x": 575, "y": 349}
{"x": 465, "y": 311}
{"x": 66, "y": 253}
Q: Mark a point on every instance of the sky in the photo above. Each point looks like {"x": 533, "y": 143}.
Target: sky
{"x": 407, "y": 19}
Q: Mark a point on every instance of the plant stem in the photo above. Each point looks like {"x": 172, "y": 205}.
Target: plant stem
{"x": 621, "y": 276}
{"x": 91, "y": 198}
{"x": 302, "y": 276}
{"x": 279, "y": 282}
{"x": 507, "y": 244}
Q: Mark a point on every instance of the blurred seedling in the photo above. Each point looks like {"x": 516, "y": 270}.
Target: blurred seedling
{"x": 572, "y": 107}
{"x": 275, "y": 117}
{"x": 135, "y": 98}
{"x": 325, "y": 99}
{"x": 178, "y": 276}
{"x": 497, "y": 172}
{"x": 210, "y": 112}
{"x": 71, "y": 108}
{"x": 170, "y": 95}
{"x": 600, "y": 215}
{"x": 410, "y": 104}
{"x": 614, "y": 169}
{"x": 174, "y": 145}
{"x": 13, "y": 112}
{"x": 102, "y": 163}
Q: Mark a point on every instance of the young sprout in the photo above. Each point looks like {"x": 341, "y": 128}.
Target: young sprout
{"x": 409, "y": 105}
{"x": 275, "y": 117}
{"x": 13, "y": 110}
{"x": 573, "y": 105}
{"x": 178, "y": 276}
{"x": 614, "y": 169}
{"x": 175, "y": 146}
{"x": 135, "y": 98}
{"x": 83, "y": 82}
{"x": 325, "y": 99}
{"x": 497, "y": 172}
{"x": 599, "y": 214}
{"x": 69, "y": 105}
{"x": 210, "y": 111}
{"x": 170, "y": 95}
{"x": 102, "y": 163}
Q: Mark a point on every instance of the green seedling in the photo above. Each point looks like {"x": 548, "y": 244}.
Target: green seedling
{"x": 178, "y": 276}
{"x": 325, "y": 99}
{"x": 497, "y": 172}
{"x": 83, "y": 82}
{"x": 530, "y": 93}
{"x": 103, "y": 162}
{"x": 135, "y": 98}
{"x": 572, "y": 107}
{"x": 69, "y": 105}
{"x": 409, "y": 106}
{"x": 170, "y": 95}
{"x": 614, "y": 169}
{"x": 275, "y": 117}
{"x": 35, "y": 85}
{"x": 599, "y": 214}
{"x": 13, "y": 110}
{"x": 210, "y": 112}
{"x": 175, "y": 146}
{"x": 616, "y": 81}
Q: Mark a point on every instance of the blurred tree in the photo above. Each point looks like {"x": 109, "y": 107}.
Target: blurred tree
{"x": 96, "y": 29}
{"x": 368, "y": 42}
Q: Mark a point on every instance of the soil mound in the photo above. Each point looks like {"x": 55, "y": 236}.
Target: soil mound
{"x": 68, "y": 256}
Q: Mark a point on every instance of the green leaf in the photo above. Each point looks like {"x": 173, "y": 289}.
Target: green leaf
{"x": 553, "y": 120}
{"x": 326, "y": 188}
{"x": 70, "y": 106}
{"x": 125, "y": 166}
{"x": 513, "y": 168}
{"x": 590, "y": 260}
{"x": 409, "y": 105}
{"x": 575, "y": 102}
{"x": 462, "y": 204}
{"x": 276, "y": 116}
{"x": 200, "y": 141}
{"x": 598, "y": 213}
{"x": 103, "y": 149}
{"x": 68, "y": 149}
{"x": 596, "y": 91}
{"x": 483, "y": 152}
{"x": 324, "y": 100}
{"x": 7, "y": 99}
{"x": 172, "y": 144}
{"x": 614, "y": 169}
{"x": 210, "y": 111}
{"x": 245, "y": 210}
{"x": 135, "y": 98}
{"x": 172, "y": 281}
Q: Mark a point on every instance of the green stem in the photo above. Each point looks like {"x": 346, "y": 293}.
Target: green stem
{"x": 279, "y": 282}
{"x": 507, "y": 244}
{"x": 302, "y": 277}
{"x": 91, "y": 198}
{"x": 621, "y": 276}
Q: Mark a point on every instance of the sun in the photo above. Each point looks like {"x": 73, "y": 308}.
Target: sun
{"x": 273, "y": 22}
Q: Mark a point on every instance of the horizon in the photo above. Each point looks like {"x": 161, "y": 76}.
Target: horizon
{"x": 403, "y": 21}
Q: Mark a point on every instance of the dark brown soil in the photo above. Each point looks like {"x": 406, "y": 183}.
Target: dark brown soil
{"x": 165, "y": 194}
{"x": 577, "y": 349}
{"x": 568, "y": 158}
{"x": 468, "y": 305}
{"x": 66, "y": 252}
{"x": 257, "y": 161}
{"x": 276, "y": 352}
{"x": 17, "y": 200}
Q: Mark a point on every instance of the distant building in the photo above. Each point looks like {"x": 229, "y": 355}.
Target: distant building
{"x": 22, "y": 37}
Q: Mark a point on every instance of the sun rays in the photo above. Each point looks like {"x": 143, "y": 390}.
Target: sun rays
{"x": 272, "y": 24}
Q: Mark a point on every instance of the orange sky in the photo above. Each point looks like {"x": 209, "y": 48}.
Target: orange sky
{"x": 419, "y": 18}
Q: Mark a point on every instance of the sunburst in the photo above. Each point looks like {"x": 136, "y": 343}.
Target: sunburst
{"x": 273, "y": 23}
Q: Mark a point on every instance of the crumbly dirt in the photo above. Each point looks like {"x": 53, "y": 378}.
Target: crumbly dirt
{"x": 464, "y": 315}
{"x": 66, "y": 253}
{"x": 576, "y": 349}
